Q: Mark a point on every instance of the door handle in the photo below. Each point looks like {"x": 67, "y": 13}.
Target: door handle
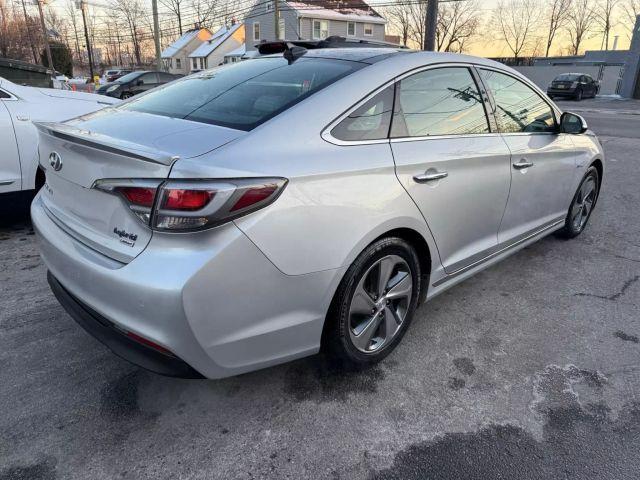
{"x": 524, "y": 163}
{"x": 430, "y": 177}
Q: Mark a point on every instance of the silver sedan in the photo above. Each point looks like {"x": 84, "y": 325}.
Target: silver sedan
{"x": 253, "y": 214}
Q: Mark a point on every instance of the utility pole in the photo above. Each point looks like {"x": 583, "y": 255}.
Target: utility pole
{"x": 26, "y": 22}
{"x": 156, "y": 33}
{"x": 45, "y": 36}
{"x": 276, "y": 14}
{"x": 430, "y": 25}
{"x": 83, "y": 7}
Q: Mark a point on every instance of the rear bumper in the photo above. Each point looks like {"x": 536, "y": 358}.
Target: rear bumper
{"x": 561, "y": 92}
{"x": 110, "y": 335}
{"x": 211, "y": 298}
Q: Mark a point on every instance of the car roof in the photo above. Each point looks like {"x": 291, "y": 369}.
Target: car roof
{"x": 365, "y": 55}
{"x": 399, "y": 55}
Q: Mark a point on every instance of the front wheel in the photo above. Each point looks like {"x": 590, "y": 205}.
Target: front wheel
{"x": 579, "y": 95}
{"x": 582, "y": 205}
{"x": 374, "y": 304}
{"x": 126, "y": 95}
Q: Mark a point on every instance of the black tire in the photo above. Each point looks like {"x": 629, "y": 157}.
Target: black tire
{"x": 337, "y": 335}
{"x": 571, "y": 228}
{"x": 579, "y": 95}
{"x": 125, "y": 95}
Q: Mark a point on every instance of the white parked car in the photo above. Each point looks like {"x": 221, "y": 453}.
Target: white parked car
{"x": 19, "y": 107}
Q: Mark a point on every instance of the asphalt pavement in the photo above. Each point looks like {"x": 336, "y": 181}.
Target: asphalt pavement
{"x": 529, "y": 370}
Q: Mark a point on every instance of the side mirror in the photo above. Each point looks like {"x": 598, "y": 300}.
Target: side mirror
{"x": 572, "y": 123}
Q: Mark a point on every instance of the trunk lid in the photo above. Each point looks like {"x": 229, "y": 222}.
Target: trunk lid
{"x": 561, "y": 84}
{"x": 93, "y": 149}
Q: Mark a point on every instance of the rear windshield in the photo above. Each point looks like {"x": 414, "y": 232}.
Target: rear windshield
{"x": 245, "y": 94}
{"x": 567, "y": 77}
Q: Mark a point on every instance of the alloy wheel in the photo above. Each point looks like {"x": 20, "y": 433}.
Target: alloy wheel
{"x": 380, "y": 303}
{"x": 583, "y": 204}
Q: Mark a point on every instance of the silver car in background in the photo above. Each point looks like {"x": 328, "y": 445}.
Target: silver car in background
{"x": 250, "y": 215}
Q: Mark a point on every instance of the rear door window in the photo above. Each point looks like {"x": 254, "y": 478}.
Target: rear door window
{"x": 440, "y": 101}
{"x": 166, "y": 77}
{"x": 519, "y": 108}
{"x": 243, "y": 95}
{"x": 149, "y": 78}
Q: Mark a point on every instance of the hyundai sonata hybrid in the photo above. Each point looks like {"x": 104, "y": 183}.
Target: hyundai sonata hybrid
{"x": 251, "y": 214}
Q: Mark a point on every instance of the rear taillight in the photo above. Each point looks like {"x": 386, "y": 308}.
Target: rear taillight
{"x": 140, "y": 196}
{"x": 186, "y": 200}
{"x": 181, "y": 206}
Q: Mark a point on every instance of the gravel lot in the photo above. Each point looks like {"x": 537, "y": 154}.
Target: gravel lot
{"x": 531, "y": 369}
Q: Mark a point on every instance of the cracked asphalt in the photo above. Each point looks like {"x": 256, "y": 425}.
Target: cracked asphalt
{"x": 529, "y": 370}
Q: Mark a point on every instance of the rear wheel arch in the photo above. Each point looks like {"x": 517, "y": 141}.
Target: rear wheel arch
{"x": 597, "y": 163}
{"x": 416, "y": 240}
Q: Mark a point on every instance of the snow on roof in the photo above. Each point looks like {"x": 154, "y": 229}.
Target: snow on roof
{"x": 215, "y": 41}
{"x": 348, "y": 10}
{"x": 182, "y": 42}
{"x": 238, "y": 52}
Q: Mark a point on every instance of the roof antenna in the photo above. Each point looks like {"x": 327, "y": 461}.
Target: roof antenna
{"x": 293, "y": 52}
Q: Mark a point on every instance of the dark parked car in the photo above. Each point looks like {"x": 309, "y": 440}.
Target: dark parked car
{"x": 574, "y": 85}
{"x": 135, "y": 82}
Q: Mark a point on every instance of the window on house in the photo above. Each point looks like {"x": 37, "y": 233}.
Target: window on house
{"x": 320, "y": 29}
{"x": 442, "y": 101}
{"x": 194, "y": 62}
{"x": 178, "y": 63}
{"x": 351, "y": 29}
{"x": 256, "y": 31}
{"x": 368, "y": 29}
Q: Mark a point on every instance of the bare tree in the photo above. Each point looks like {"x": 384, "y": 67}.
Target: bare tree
{"x": 175, "y": 7}
{"x": 557, "y": 16}
{"x": 517, "y": 21}
{"x": 457, "y": 23}
{"x": 604, "y": 17}
{"x": 631, "y": 9}
{"x": 56, "y": 23}
{"x": 132, "y": 12}
{"x": 15, "y": 40}
{"x": 71, "y": 12}
{"x": 203, "y": 11}
{"x": 399, "y": 16}
{"x": 580, "y": 23}
{"x": 4, "y": 29}
{"x": 417, "y": 13}
{"x": 227, "y": 13}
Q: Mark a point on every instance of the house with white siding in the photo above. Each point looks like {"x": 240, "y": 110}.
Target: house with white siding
{"x": 176, "y": 56}
{"x": 212, "y": 52}
{"x": 313, "y": 20}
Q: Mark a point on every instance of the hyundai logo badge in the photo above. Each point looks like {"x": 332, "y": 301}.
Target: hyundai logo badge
{"x": 55, "y": 160}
